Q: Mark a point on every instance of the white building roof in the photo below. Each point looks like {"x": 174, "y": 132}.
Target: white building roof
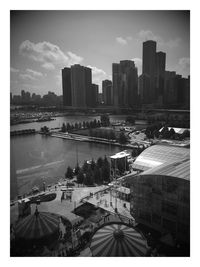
{"x": 157, "y": 155}
{"x": 120, "y": 155}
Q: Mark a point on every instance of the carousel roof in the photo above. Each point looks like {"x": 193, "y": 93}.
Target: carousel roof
{"x": 118, "y": 239}
{"x": 37, "y": 225}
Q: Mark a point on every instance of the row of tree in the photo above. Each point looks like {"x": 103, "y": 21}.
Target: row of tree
{"x": 67, "y": 127}
{"x": 153, "y": 131}
{"x": 109, "y": 134}
{"x": 91, "y": 173}
{"x": 103, "y": 133}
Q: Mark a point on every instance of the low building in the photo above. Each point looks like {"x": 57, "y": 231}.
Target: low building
{"x": 160, "y": 193}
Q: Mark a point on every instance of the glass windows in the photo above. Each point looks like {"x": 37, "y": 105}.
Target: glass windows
{"x": 156, "y": 218}
{"x": 169, "y": 207}
{"x": 170, "y": 185}
{"x": 169, "y": 225}
{"x": 144, "y": 215}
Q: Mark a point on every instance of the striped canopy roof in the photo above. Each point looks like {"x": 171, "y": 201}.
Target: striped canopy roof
{"x": 118, "y": 239}
{"x": 37, "y": 226}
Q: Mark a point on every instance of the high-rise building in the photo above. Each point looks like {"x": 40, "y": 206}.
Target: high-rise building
{"x": 94, "y": 94}
{"x": 170, "y": 96}
{"x": 88, "y": 88}
{"x": 160, "y": 76}
{"x": 66, "y": 86}
{"x": 107, "y": 91}
{"x": 125, "y": 84}
{"x": 116, "y": 83}
{"x": 81, "y": 80}
{"x": 183, "y": 92}
{"x": 149, "y": 71}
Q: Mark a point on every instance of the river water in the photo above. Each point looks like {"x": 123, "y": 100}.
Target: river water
{"x": 38, "y": 158}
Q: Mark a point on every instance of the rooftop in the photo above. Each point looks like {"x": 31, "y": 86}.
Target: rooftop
{"x": 179, "y": 169}
{"x": 157, "y": 155}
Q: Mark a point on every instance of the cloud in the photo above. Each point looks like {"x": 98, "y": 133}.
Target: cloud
{"x": 121, "y": 41}
{"x": 129, "y": 38}
{"x": 34, "y": 73}
{"x": 49, "y": 55}
{"x": 148, "y": 35}
{"x": 14, "y": 70}
{"x": 48, "y": 66}
{"x": 138, "y": 63}
{"x": 59, "y": 80}
{"x": 183, "y": 66}
{"x": 30, "y": 74}
{"x": 98, "y": 75}
{"x": 145, "y": 35}
{"x": 26, "y": 76}
{"x": 173, "y": 43}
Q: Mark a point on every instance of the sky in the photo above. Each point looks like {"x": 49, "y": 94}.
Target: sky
{"x": 43, "y": 42}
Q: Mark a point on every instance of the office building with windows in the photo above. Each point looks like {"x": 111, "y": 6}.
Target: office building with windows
{"x": 107, "y": 92}
{"x": 66, "y": 87}
{"x": 125, "y": 84}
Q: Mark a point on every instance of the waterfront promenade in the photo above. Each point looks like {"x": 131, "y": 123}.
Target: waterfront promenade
{"x": 81, "y": 138}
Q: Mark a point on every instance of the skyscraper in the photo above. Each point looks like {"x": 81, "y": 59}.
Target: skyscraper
{"x": 116, "y": 83}
{"x": 125, "y": 84}
{"x": 170, "y": 89}
{"x": 81, "y": 80}
{"x": 94, "y": 94}
{"x": 66, "y": 86}
{"x": 107, "y": 90}
{"x": 149, "y": 70}
{"x": 160, "y": 76}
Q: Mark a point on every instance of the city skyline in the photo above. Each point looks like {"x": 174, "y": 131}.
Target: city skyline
{"x": 40, "y": 49}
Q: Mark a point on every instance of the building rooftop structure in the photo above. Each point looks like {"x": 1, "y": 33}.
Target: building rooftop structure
{"x": 179, "y": 169}
{"x": 157, "y": 155}
{"x": 120, "y": 155}
{"x": 177, "y": 130}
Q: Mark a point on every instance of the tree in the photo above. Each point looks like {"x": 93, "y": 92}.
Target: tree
{"x": 76, "y": 126}
{"x": 87, "y": 124}
{"x": 112, "y": 135}
{"x": 97, "y": 175}
{"x": 98, "y": 123}
{"x": 45, "y": 129}
{"x": 68, "y": 127}
{"x": 122, "y": 138}
{"x": 106, "y": 173}
{"x": 93, "y": 165}
{"x": 88, "y": 179}
{"x": 185, "y": 134}
{"x": 130, "y": 119}
{"x": 80, "y": 125}
{"x": 69, "y": 173}
{"x": 171, "y": 133}
{"x": 80, "y": 177}
{"x": 63, "y": 128}
{"x": 85, "y": 167}
{"x": 77, "y": 170}
{"x": 105, "y": 120}
{"x": 100, "y": 162}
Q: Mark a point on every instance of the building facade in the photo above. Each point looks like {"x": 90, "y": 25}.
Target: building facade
{"x": 107, "y": 92}
{"x": 81, "y": 81}
{"x": 149, "y": 71}
{"x": 94, "y": 94}
{"x": 160, "y": 77}
{"x": 160, "y": 193}
{"x": 125, "y": 84}
{"x": 66, "y": 87}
